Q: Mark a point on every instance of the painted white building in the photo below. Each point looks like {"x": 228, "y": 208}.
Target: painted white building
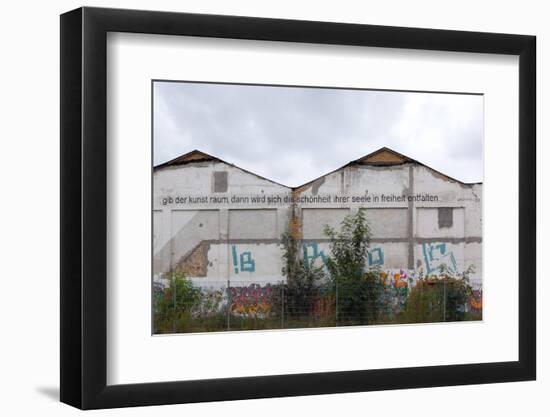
{"x": 217, "y": 222}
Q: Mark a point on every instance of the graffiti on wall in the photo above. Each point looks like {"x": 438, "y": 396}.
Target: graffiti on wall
{"x": 376, "y": 256}
{"x": 243, "y": 262}
{"x": 475, "y": 301}
{"x": 252, "y": 300}
{"x": 311, "y": 251}
{"x": 396, "y": 284}
{"x": 437, "y": 254}
{"x": 398, "y": 278}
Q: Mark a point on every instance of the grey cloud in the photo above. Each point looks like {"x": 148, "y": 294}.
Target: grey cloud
{"x": 292, "y": 135}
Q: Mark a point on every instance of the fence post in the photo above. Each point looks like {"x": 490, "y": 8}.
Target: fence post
{"x": 228, "y": 304}
{"x": 282, "y": 306}
{"x": 174, "y": 286}
{"x": 336, "y": 303}
{"x": 444, "y": 299}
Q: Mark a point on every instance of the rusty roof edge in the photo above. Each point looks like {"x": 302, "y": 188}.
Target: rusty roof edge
{"x": 359, "y": 161}
{"x": 408, "y": 159}
{"x": 180, "y": 160}
{"x": 174, "y": 162}
{"x": 382, "y": 149}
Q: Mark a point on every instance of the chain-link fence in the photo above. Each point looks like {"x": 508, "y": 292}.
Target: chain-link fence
{"x": 183, "y": 306}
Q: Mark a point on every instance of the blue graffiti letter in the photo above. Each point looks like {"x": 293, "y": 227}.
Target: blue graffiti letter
{"x": 435, "y": 254}
{"x": 376, "y": 257}
{"x": 310, "y": 256}
{"x": 247, "y": 263}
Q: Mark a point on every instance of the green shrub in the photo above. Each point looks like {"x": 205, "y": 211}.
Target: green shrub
{"x": 436, "y": 299}
{"x": 303, "y": 281}
{"x": 173, "y": 306}
{"x": 357, "y": 293}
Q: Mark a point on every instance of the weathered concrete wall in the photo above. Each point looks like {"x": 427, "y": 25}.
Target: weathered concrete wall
{"x": 216, "y": 222}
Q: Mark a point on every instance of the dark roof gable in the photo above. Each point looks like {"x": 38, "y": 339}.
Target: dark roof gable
{"x": 193, "y": 156}
{"x": 381, "y": 157}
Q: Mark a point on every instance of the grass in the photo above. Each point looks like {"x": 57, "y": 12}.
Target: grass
{"x": 221, "y": 322}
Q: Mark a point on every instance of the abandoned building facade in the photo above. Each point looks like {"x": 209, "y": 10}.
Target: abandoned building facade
{"x": 218, "y": 223}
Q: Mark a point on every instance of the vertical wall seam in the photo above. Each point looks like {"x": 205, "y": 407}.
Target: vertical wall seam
{"x": 410, "y": 229}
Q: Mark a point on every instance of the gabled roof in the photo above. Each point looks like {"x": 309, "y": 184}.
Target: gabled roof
{"x": 193, "y": 156}
{"x": 199, "y": 156}
{"x": 381, "y": 157}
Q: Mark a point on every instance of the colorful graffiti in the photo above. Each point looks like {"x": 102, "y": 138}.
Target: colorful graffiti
{"x": 252, "y": 300}
{"x": 396, "y": 285}
{"x": 475, "y": 301}
{"x": 436, "y": 255}
{"x": 247, "y": 264}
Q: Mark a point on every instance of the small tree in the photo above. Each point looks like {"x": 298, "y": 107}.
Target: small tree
{"x": 357, "y": 292}
{"x": 174, "y": 304}
{"x": 303, "y": 279}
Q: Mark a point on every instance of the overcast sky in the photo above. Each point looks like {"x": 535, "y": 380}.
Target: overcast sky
{"x": 293, "y": 135}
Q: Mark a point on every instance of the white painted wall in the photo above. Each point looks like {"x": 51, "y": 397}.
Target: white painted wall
{"x": 244, "y": 237}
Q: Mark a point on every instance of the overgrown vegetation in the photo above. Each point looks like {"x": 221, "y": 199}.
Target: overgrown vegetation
{"x": 437, "y": 298}
{"x": 174, "y": 304}
{"x": 303, "y": 281}
{"x": 358, "y": 292}
{"x": 340, "y": 291}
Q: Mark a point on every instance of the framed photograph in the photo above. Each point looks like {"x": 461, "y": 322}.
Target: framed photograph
{"x": 257, "y": 207}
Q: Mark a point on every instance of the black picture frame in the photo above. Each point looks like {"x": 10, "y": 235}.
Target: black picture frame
{"x": 84, "y": 207}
